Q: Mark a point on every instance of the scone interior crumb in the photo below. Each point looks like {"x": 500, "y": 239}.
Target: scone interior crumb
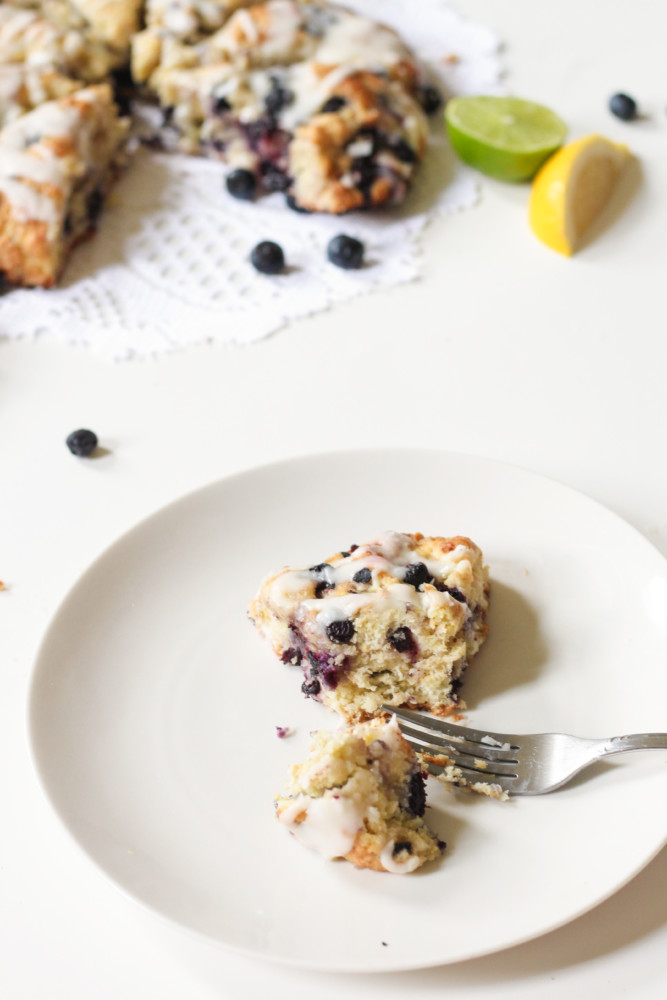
{"x": 392, "y": 622}
{"x": 359, "y": 795}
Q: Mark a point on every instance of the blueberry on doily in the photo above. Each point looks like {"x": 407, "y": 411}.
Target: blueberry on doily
{"x": 346, "y": 252}
{"x": 242, "y": 184}
{"x": 268, "y": 258}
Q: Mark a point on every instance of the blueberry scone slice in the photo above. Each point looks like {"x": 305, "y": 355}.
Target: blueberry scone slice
{"x": 359, "y": 795}
{"x": 56, "y": 165}
{"x": 392, "y": 622}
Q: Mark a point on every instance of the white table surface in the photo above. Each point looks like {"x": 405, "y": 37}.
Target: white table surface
{"x": 502, "y": 349}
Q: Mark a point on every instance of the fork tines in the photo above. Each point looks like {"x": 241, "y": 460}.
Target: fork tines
{"x": 442, "y": 743}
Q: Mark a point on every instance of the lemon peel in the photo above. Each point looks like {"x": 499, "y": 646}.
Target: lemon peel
{"x": 572, "y": 188}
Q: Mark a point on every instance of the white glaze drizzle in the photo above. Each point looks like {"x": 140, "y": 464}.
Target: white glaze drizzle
{"x": 349, "y": 43}
{"x": 330, "y": 824}
{"x": 390, "y": 553}
{"x": 26, "y": 161}
{"x": 390, "y": 863}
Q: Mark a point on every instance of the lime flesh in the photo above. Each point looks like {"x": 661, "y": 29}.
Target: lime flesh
{"x": 504, "y": 137}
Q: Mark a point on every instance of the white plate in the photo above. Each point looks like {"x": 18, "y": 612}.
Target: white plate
{"x": 154, "y": 707}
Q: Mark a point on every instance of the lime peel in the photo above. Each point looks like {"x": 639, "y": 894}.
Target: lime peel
{"x": 505, "y": 137}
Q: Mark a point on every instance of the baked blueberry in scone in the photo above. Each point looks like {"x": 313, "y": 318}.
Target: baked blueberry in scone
{"x": 316, "y": 100}
{"x": 392, "y": 622}
{"x": 56, "y": 165}
{"x": 359, "y": 795}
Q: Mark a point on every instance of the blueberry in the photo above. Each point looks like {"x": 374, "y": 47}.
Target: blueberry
{"x": 268, "y": 258}
{"x": 404, "y": 152}
{"x": 401, "y": 639}
{"x": 242, "y": 184}
{"x": 321, "y": 587}
{"x": 454, "y": 591}
{"x": 311, "y": 687}
{"x": 401, "y": 845}
{"x": 291, "y": 655}
{"x": 318, "y": 568}
{"x": 416, "y": 795}
{"x": 274, "y": 179}
{"x": 623, "y": 107}
{"x": 430, "y": 98}
{"x": 94, "y": 204}
{"x": 341, "y": 630}
{"x": 221, "y": 105}
{"x": 346, "y": 252}
{"x": 457, "y": 594}
{"x": 363, "y": 576}
{"x": 294, "y": 205}
{"x": 364, "y": 171}
{"x": 277, "y": 98}
{"x": 333, "y": 104}
{"x": 416, "y": 574}
{"x": 82, "y": 443}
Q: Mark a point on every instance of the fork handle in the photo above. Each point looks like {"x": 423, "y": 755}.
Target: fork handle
{"x": 635, "y": 741}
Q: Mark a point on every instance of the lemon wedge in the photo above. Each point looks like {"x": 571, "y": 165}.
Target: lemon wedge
{"x": 570, "y": 191}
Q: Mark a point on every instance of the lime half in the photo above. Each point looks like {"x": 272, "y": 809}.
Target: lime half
{"x": 504, "y": 137}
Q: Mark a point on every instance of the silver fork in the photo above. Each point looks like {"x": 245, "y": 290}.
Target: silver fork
{"x": 519, "y": 765}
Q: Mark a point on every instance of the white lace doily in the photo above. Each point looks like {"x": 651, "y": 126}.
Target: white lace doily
{"x": 169, "y": 264}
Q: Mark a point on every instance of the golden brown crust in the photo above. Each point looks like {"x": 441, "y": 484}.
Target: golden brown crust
{"x": 364, "y": 855}
{"x": 33, "y": 250}
{"x": 321, "y": 155}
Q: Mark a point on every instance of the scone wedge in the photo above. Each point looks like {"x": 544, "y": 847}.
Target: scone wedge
{"x": 56, "y": 166}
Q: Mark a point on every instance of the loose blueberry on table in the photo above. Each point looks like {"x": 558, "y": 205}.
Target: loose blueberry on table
{"x": 82, "y": 443}
{"x": 623, "y": 106}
